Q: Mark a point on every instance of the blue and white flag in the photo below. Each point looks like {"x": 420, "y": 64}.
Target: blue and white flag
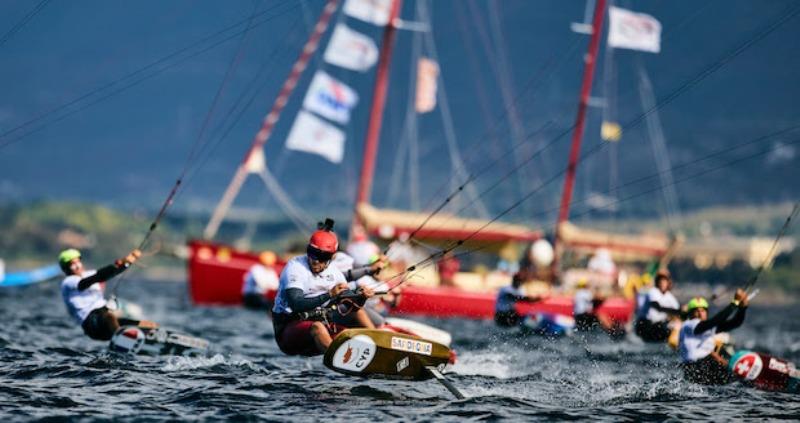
{"x": 330, "y": 98}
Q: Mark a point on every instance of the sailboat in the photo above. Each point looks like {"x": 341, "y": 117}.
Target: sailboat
{"x": 216, "y": 270}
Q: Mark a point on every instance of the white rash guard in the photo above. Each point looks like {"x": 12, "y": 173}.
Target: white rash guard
{"x": 81, "y": 303}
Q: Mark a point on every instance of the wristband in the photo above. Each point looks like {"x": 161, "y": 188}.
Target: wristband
{"x": 735, "y": 302}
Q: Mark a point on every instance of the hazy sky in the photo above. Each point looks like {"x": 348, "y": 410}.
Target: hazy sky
{"x": 139, "y": 78}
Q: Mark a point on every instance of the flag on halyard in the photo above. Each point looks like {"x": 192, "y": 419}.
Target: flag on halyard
{"x": 330, "y": 98}
{"x": 351, "y": 50}
{"x": 427, "y": 75}
{"x": 636, "y": 31}
{"x": 373, "y": 11}
{"x": 313, "y": 135}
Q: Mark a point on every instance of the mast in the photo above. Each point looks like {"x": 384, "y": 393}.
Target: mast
{"x": 376, "y": 111}
{"x": 577, "y": 135}
{"x": 254, "y": 153}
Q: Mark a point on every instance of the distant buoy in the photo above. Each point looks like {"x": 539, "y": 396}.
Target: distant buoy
{"x": 542, "y": 253}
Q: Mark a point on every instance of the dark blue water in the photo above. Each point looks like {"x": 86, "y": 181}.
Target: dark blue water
{"x": 48, "y": 369}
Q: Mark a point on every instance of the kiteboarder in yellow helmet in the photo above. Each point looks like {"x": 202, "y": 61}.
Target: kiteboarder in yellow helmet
{"x": 702, "y": 363}
{"x": 82, "y": 292}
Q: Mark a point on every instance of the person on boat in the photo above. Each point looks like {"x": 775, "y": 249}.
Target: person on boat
{"x": 361, "y": 249}
{"x": 602, "y": 264}
{"x": 505, "y": 313}
{"x": 259, "y": 279}
{"x": 659, "y": 311}
{"x": 701, "y": 360}
{"x": 448, "y": 266}
{"x": 307, "y": 284}
{"x": 82, "y": 292}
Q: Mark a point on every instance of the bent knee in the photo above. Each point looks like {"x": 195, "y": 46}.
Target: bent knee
{"x": 318, "y": 328}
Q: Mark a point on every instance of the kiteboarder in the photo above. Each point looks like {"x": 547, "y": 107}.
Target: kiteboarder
{"x": 307, "y": 286}
{"x": 259, "y": 279}
{"x": 701, "y": 360}
{"x": 653, "y": 321}
{"x": 505, "y": 314}
{"x": 82, "y": 291}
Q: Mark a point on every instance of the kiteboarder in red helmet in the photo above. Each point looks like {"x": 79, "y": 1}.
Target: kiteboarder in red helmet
{"x": 308, "y": 285}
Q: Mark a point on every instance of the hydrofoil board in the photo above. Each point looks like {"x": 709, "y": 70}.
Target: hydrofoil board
{"x": 157, "y": 341}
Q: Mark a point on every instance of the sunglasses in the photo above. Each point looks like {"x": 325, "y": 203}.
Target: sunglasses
{"x": 318, "y": 255}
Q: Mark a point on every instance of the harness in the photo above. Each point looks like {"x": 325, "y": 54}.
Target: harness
{"x": 344, "y": 303}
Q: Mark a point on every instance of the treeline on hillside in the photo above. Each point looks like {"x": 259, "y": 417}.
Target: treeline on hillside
{"x": 36, "y": 232}
{"x": 784, "y": 272}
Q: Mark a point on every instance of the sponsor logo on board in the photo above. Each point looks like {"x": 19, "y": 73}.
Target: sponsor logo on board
{"x": 127, "y": 340}
{"x": 402, "y": 364}
{"x": 748, "y": 366}
{"x": 778, "y": 365}
{"x": 411, "y": 345}
{"x": 355, "y": 354}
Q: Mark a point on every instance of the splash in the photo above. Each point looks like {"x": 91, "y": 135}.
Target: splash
{"x": 191, "y": 363}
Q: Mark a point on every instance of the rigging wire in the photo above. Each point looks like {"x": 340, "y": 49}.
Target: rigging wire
{"x": 704, "y": 172}
{"x": 769, "y": 257}
{"x": 133, "y": 76}
{"x": 456, "y": 161}
{"x": 672, "y": 169}
{"x": 226, "y": 126}
{"x": 684, "y": 87}
{"x": 198, "y": 142}
{"x": 702, "y": 75}
{"x": 436, "y": 256}
{"x": 232, "y": 66}
{"x": 24, "y": 21}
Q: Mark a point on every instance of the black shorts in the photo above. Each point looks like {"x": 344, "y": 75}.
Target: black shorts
{"x": 585, "y": 321}
{"x": 507, "y": 318}
{"x": 101, "y": 324}
{"x": 652, "y": 332}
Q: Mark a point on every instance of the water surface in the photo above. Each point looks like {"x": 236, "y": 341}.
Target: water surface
{"x": 49, "y": 369}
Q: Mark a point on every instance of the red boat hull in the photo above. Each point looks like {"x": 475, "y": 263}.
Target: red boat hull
{"x": 216, "y": 274}
{"x": 453, "y": 302}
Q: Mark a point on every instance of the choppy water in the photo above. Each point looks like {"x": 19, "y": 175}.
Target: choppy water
{"x": 48, "y": 369}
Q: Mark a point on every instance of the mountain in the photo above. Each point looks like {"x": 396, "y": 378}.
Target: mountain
{"x": 125, "y": 144}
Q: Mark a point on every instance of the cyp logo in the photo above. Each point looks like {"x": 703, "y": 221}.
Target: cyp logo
{"x": 355, "y": 354}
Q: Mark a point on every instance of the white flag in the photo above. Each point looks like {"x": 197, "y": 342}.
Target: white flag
{"x": 427, "y": 74}
{"x": 373, "y": 11}
{"x": 330, "y": 98}
{"x": 635, "y": 31}
{"x": 350, "y": 49}
{"x": 313, "y": 135}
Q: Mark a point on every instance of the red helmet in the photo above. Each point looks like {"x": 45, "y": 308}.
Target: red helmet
{"x": 324, "y": 241}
